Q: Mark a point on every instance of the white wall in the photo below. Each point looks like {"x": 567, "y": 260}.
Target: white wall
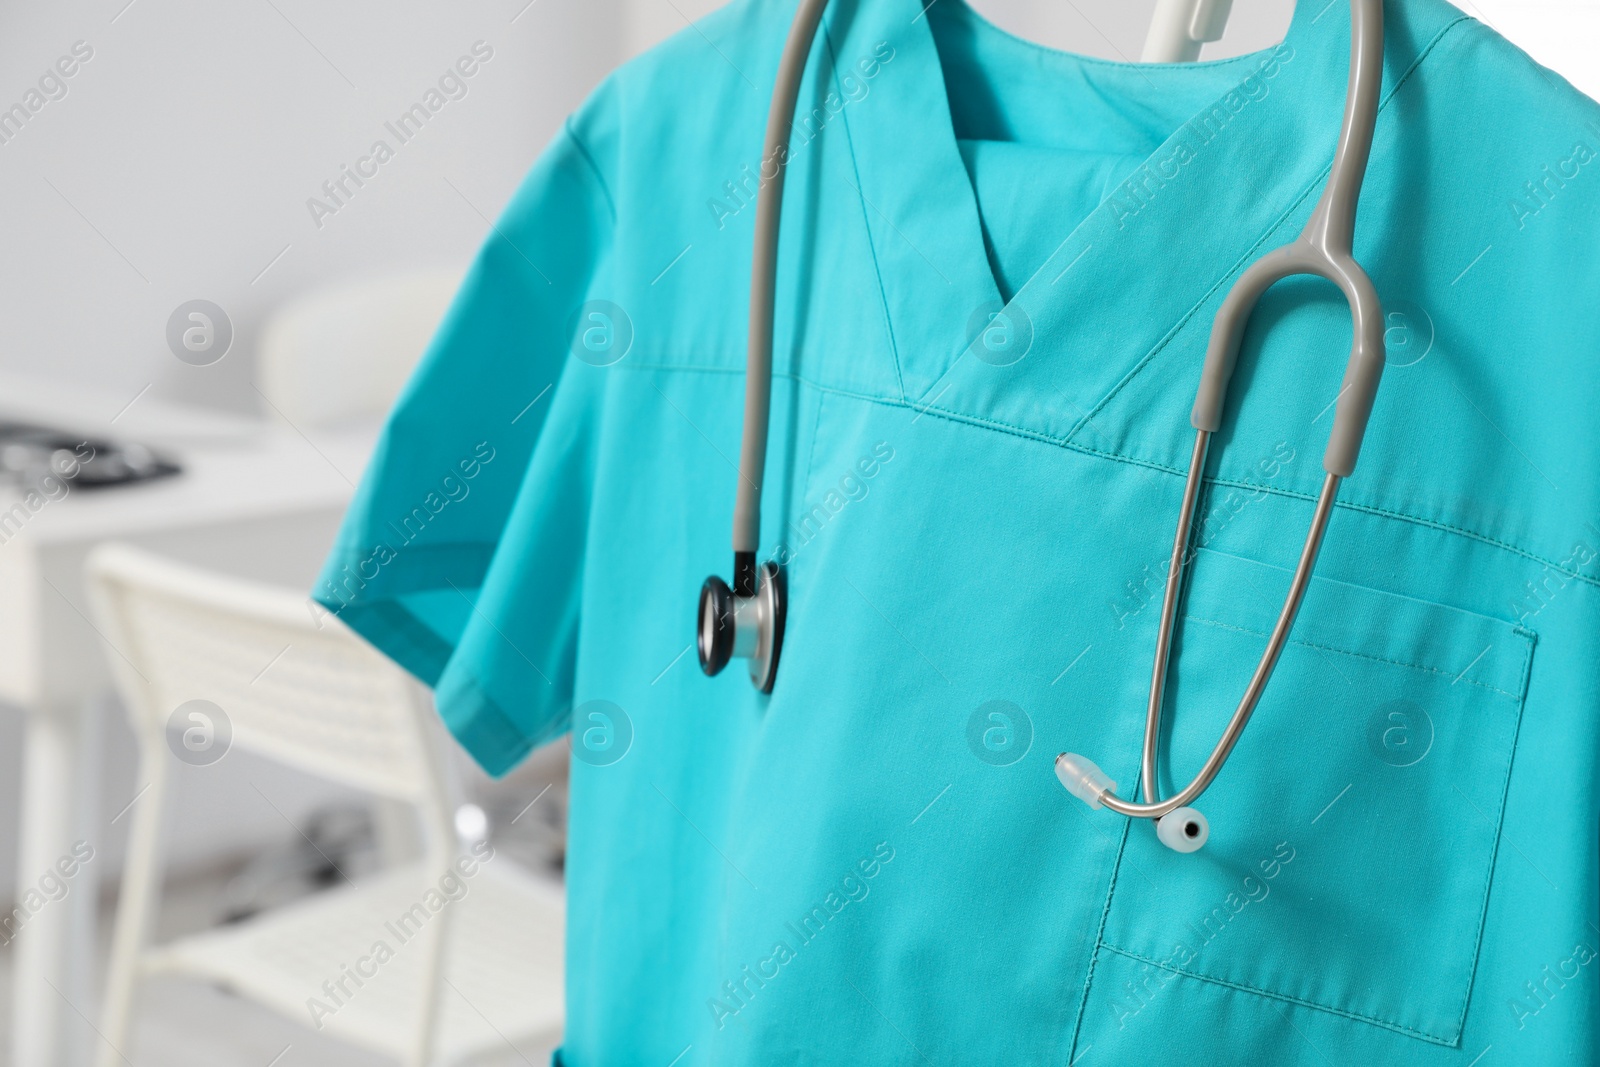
{"x": 179, "y": 162}
{"x": 1117, "y": 30}
{"x": 1564, "y": 35}
{"x": 1108, "y": 28}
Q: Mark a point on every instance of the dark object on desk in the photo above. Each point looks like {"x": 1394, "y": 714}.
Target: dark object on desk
{"x": 32, "y": 455}
{"x": 337, "y": 841}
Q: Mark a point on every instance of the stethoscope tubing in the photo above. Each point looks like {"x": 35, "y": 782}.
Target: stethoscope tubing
{"x": 1154, "y": 807}
{"x": 763, "y": 279}
{"x": 1323, "y": 248}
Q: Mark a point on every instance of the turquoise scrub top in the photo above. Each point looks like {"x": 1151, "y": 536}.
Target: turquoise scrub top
{"x": 999, "y": 265}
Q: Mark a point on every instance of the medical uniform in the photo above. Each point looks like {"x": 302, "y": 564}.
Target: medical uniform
{"x": 998, "y": 269}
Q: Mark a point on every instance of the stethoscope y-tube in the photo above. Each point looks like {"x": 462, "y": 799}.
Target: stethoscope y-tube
{"x": 747, "y": 620}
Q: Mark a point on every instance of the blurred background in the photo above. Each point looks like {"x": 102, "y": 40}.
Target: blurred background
{"x": 196, "y": 360}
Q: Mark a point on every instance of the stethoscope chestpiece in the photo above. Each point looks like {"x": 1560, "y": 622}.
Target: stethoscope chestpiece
{"x": 716, "y": 625}
{"x": 744, "y": 622}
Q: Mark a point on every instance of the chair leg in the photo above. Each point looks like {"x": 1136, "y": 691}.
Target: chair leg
{"x": 141, "y": 892}
{"x": 434, "y": 968}
{"x": 437, "y": 821}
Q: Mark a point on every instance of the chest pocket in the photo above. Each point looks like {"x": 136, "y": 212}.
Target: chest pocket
{"x": 1354, "y": 829}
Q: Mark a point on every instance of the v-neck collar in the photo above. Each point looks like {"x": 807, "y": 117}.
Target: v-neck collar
{"x": 1129, "y": 273}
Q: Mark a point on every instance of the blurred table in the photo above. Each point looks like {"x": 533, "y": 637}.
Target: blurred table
{"x": 258, "y": 499}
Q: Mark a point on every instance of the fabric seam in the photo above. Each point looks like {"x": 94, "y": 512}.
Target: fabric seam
{"x": 1520, "y": 702}
{"x": 588, "y": 157}
{"x": 1116, "y": 457}
{"x": 1245, "y": 987}
{"x": 1532, "y": 639}
{"x": 1321, "y": 176}
{"x": 1361, "y": 655}
{"x": 1099, "y": 942}
{"x": 866, "y": 221}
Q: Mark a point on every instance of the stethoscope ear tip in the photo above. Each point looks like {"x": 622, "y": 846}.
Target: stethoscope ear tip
{"x": 1183, "y": 830}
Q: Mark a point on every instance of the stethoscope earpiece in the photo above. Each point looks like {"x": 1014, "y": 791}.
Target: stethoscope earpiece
{"x": 1183, "y": 830}
{"x": 744, "y": 622}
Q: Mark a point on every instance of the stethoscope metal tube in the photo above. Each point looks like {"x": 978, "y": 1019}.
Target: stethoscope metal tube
{"x": 1323, "y": 249}
{"x": 1154, "y": 808}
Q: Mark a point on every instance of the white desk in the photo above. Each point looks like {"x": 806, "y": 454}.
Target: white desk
{"x": 255, "y": 499}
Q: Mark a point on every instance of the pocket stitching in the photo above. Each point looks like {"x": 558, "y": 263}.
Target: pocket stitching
{"x": 1099, "y": 942}
{"x": 1433, "y": 1039}
{"x": 1368, "y": 655}
{"x": 1530, "y": 639}
{"x": 1519, "y": 701}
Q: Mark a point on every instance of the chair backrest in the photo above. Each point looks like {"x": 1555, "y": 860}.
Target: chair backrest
{"x": 295, "y": 684}
{"x": 343, "y": 353}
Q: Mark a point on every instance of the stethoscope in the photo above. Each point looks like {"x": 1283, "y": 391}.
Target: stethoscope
{"x": 746, "y": 621}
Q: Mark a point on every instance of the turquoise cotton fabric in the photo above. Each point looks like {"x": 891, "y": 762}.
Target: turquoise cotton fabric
{"x": 991, "y": 316}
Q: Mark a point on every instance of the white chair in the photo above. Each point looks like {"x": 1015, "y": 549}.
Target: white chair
{"x": 343, "y": 353}
{"x": 307, "y": 692}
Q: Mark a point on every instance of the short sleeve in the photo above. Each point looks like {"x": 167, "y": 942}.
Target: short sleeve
{"x": 462, "y": 553}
